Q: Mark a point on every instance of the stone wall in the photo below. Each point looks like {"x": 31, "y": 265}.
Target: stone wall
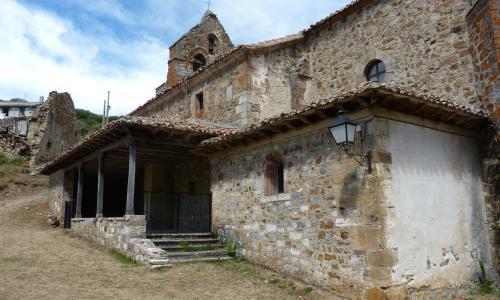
{"x": 195, "y": 42}
{"x": 424, "y": 44}
{"x": 356, "y": 233}
{"x": 127, "y": 234}
{"x": 57, "y": 128}
{"x": 328, "y": 228}
{"x": 484, "y": 29}
{"x": 14, "y": 146}
{"x": 222, "y": 94}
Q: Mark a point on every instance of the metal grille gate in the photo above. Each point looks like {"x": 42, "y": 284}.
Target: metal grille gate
{"x": 177, "y": 212}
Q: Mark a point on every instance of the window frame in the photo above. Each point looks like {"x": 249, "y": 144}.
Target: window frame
{"x": 274, "y": 176}
{"x": 379, "y": 75}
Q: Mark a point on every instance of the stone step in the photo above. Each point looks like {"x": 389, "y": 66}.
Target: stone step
{"x": 179, "y": 235}
{"x": 202, "y": 259}
{"x": 177, "y": 241}
{"x": 197, "y": 254}
{"x": 178, "y": 248}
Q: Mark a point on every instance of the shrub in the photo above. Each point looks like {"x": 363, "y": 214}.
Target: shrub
{"x": 231, "y": 247}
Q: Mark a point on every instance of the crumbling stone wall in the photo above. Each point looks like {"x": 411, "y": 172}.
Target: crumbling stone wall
{"x": 57, "y": 129}
{"x": 13, "y": 145}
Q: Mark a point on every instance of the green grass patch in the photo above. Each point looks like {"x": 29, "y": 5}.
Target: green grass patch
{"x": 186, "y": 247}
{"x": 122, "y": 258}
{"x": 16, "y": 161}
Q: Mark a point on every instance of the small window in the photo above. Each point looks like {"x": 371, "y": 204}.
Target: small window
{"x": 22, "y": 111}
{"x": 375, "y": 71}
{"x": 5, "y": 111}
{"x": 199, "y": 101}
{"x": 211, "y": 45}
{"x": 274, "y": 176}
{"x": 198, "y": 62}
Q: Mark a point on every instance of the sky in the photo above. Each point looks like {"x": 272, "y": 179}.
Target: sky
{"x": 89, "y": 47}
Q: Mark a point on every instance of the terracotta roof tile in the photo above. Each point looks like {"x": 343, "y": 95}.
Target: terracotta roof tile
{"x": 364, "y": 87}
{"x": 90, "y": 143}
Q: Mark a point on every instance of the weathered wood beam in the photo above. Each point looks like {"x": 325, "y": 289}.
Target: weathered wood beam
{"x": 129, "y": 210}
{"x": 79, "y": 192}
{"x": 100, "y": 185}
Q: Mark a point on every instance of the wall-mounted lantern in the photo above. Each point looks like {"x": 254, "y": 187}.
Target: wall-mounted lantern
{"x": 343, "y": 132}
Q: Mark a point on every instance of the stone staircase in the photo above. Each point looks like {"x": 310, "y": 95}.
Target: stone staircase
{"x": 190, "y": 247}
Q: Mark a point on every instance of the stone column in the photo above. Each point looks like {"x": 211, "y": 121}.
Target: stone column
{"x": 79, "y": 192}
{"x": 131, "y": 178}
{"x": 100, "y": 186}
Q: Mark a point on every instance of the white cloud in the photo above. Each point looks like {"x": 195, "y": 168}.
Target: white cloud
{"x": 41, "y": 52}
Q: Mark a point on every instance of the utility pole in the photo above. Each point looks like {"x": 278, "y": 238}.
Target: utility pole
{"x": 107, "y": 109}
{"x": 105, "y": 112}
{"x": 103, "y": 115}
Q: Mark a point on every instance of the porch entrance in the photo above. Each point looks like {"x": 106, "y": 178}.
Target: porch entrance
{"x": 177, "y": 212}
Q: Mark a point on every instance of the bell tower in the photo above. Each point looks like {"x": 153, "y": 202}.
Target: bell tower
{"x": 197, "y": 48}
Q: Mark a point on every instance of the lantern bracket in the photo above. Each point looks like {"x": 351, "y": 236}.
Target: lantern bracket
{"x": 364, "y": 160}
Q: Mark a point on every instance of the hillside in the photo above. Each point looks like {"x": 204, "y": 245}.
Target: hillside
{"x": 90, "y": 122}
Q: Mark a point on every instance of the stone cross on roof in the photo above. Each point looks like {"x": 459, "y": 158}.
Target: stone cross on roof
{"x": 209, "y": 2}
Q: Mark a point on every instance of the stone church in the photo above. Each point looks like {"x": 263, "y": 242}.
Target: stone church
{"x": 358, "y": 155}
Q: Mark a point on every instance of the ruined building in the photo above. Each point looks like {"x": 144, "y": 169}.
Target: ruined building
{"x": 38, "y": 131}
{"x": 244, "y": 141}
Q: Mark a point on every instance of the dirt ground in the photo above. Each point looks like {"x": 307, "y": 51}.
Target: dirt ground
{"x": 44, "y": 263}
{"x": 39, "y": 262}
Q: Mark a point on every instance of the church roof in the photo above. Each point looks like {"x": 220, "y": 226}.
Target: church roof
{"x": 120, "y": 128}
{"x": 214, "y": 138}
{"x": 250, "y": 47}
{"x": 337, "y": 15}
{"x": 401, "y": 99}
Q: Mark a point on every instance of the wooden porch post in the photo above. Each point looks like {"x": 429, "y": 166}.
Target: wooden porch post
{"x": 129, "y": 210}
{"x": 79, "y": 192}
{"x": 100, "y": 185}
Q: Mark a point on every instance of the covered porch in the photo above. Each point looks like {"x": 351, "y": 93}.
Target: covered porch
{"x": 138, "y": 169}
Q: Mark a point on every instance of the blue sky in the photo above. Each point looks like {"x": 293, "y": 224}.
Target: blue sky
{"x": 87, "y": 47}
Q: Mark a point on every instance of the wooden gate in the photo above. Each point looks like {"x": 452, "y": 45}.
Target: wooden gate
{"x": 177, "y": 212}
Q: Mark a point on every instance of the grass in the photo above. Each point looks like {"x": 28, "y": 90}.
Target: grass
{"x": 16, "y": 161}
{"x": 241, "y": 267}
{"x": 122, "y": 258}
{"x": 186, "y": 247}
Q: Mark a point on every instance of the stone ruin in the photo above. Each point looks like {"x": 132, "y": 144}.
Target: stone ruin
{"x": 42, "y": 136}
